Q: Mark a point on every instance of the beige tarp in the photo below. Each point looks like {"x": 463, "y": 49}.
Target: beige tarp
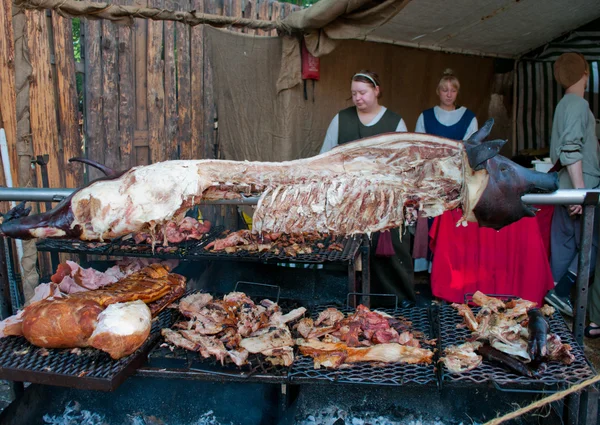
{"x": 326, "y": 23}
{"x": 255, "y": 123}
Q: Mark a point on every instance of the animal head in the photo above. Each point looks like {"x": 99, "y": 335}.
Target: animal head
{"x": 500, "y": 203}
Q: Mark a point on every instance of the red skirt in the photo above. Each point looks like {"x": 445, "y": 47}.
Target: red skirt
{"x": 511, "y": 261}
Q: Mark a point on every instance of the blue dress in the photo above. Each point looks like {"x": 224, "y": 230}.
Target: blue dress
{"x": 455, "y": 132}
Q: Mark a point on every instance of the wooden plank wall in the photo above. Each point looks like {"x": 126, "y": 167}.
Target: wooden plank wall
{"x": 147, "y": 91}
{"x": 172, "y": 109}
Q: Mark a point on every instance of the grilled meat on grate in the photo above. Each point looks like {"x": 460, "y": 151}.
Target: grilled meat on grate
{"x": 233, "y": 327}
{"x": 512, "y": 334}
{"x": 70, "y": 321}
{"x": 363, "y": 336}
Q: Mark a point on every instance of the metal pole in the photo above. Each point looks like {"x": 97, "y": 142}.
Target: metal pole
{"x": 16, "y": 388}
{"x": 584, "y": 265}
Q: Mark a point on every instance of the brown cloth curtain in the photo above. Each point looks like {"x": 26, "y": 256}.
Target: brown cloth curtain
{"x": 257, "y": 123}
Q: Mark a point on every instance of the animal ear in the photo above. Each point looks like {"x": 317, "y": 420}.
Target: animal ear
{"x": 479, "y": 154}
{"x": 481, "y": 134}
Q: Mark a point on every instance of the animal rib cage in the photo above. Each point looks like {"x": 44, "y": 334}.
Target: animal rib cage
{"x": 195, "y": 250}
{"x": 87, "y": 368}
{"x": 555, "y": 374}
{"x": 303, "y": 371}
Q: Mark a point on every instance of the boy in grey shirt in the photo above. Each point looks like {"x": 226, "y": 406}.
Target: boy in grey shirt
{"x": 574, "y": 147}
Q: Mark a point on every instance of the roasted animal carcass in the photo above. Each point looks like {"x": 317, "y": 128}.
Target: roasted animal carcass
{"x": 359, "y": 187}
{"x": 70, "y": 321}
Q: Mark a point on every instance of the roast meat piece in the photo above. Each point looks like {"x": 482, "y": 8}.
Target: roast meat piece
{"x": 122, "y": 328}
{"x": 462, "y": 358}
{"x": 274, "y": 337}
{"x": 383, "y": 353}
{"x": 329, "y": 317}
{"x": 61, "y": 323}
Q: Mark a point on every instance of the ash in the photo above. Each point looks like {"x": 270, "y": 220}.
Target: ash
{"x": 336, "y": 416}
{"x": 73, "y": 415}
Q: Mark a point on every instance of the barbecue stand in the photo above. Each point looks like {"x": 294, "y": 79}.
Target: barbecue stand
{"x": 438, "y": 322}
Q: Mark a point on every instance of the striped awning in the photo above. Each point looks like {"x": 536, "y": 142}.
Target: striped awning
{"x": 538, "y": 93}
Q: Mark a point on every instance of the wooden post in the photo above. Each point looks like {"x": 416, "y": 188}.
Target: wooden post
{"x": 185, "y": 141}
{"x": 250, "y": 13}
{"x": 8, "y": 97}
{"x": 171, "y": 118}
{"x": 23, "y": 73}
{"x": 44, "y": 127}
{"x": 197, "y": 67}
{"x": 156, "y": 90}
{"x": 264, "y": 13}
{"x": 126, "y": 94}
{"x": 210, "y": 113}
{"x": 110, "y": 92}
{"x": 140, "y": 137}
{"x": 67, "y": 100}
{"x": 94, "y": 130}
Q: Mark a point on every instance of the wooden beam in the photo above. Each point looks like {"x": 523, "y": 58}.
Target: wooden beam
{"x": 184, "y": 84}
{"x": 67, "y": 100}
{"x": 126, "y": 94}
{"x": 110, "y": 95}
{"x": 8, "y": 96}
{"x": 156, "y": 90}
{"x": 197, "y": 66}
{"x": 171, "y": 118}
{"x": 94, "y": 130}
{"x": 141, "y": 80}
{"x": 210, "y": 113}
{"x": 44, "y": 129}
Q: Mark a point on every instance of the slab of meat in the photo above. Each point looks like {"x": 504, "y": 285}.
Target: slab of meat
{"x": 275, "y": 337}
{"x": 462, "y": 358}
{"x": 359, "y": 187}
{"x": 70, "y": 321}
{"x": 341, "y": 353}
{"x": 122, "y": 328}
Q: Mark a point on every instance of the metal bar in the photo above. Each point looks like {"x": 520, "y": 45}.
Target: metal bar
{"x": 588, "y": 408}
{"x": 572, "y": 409}
{"x": 584, "y": 265}
{"x": 16, "y": 388}
{"x": 366, "y": 269}
{"x": 57, "y": 195}
{"x": 560, "y": 197}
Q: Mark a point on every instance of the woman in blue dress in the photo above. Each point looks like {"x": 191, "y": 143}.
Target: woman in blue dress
{"x": 445, "y": 120}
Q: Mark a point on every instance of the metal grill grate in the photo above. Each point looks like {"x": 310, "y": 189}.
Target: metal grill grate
{"x": 303, "y": 370}
{"x": 91, "y": 369}
{"x": 194, "y": 250}
{"x": 555, "y": 374}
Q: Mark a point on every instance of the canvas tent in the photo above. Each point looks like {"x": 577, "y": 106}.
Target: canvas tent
{"x": 538, "y": 91}
{"x": 478, "y": 30}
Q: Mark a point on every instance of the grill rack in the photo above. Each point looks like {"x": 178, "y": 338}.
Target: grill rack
{"x": 303, "y": 370}
{"x": 556, "y": 374}
{"x": 92, "y": 369}
{"x": 194, "y": 250}
{"x": 184, "y": 363}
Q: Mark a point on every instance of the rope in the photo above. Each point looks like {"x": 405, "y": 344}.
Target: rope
{"x": 554, "y": 397}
